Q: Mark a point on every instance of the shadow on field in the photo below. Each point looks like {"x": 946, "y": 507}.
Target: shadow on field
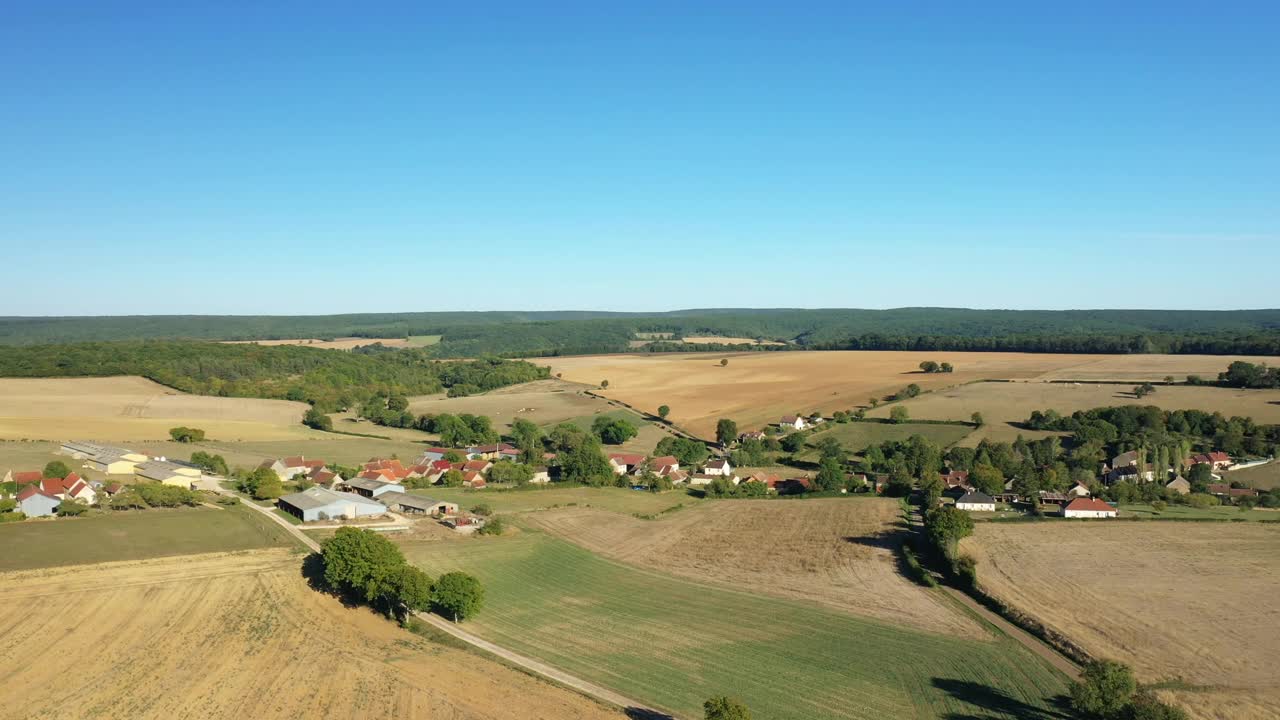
{"x": 993, "y": 700}
{"x": 646, "y": 714}
{"x": 886, "y": 539}
{"x": 313, "y": 573}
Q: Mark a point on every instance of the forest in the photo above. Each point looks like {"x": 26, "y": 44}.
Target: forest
{"x": 531, "y": 334}
{"x": 329, "y": 380}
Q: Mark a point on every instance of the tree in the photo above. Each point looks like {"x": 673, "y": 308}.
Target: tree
{"x": 586, "y": 463}
{"x": 268, "y": 488}
{"x": 397, "y": 403}
{"x": 725, "y": 708}
{"x": 613, "y": 431}
{"x": 56, "y": 469}
{"x": 663, "y": 411}
{"x": 411, "y": 587}
{"x": 1200, "y": 475}
{"x": 317, "y": 420}
{"x": 945, "y": 527}
{"x": 210, "y": 463}
{"x": 873, "y": 401}
{"x": 1146, "y": 706}
{"x": 1105, "y": 689}
{"x": 505, "y": 471}
{"x": 726, "y": 431}
{"x": 604, "y": 384}
{"x": 977, "y": 419}
{"x": 494, "y": 526}
{"x": 457, "y": 595}
{"x": 987, "y": 478}
{"x": 830, "y": 475}
{"x": 363, "y": 563}
{"x": 689, "y": 452}
{"x": 830, "y": 448}
{"x": 898, "y": 414}
{"x": 929, "y": 366}
{"x": 946, "y": 367}
{"x": 724, "y": 362}
{"x": 528, "y": 438}
{"x": 452, "y": 478}
{"x": 184, "y": 434}
{"x": 793, "y": 442}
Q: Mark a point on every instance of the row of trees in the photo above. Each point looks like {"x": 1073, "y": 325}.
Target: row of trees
{"x": 362, "y": 564}
{"x": 930, "y": 366}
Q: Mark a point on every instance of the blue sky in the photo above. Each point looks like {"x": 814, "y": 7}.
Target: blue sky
{"x": 311, "y": 158}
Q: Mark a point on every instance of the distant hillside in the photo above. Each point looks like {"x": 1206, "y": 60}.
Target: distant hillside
{"x": 474, "y": 334}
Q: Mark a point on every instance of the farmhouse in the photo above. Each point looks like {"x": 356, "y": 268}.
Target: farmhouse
{"x": 417, "y": 505}
{"x": 493, "y": 452}
{"x": 473, "y": 479}
{"x": 291, "y": 467}
{"x": 1219, "y": 460}
{"x": 1223, "y": 490}
{"x": 1080, "y": 490}
{"x": 664, "y": 465}
{"x": 34, "y": 502}
{"x": 431, "y": 455}
{"x": 956, "y": 479}
{"x": 751, "y": 435}
{"x": 323, "y": 477}
{"x": 541, "y": 475}
{"x": 370, "y": 488}
{"x": 476, "y": 466}
{"x": 623, "y": 463}
{"x": 1179, "y": 485}
{"x": 792, "y": 422}
{"x": 168, "y": 473}
{"x": 318, "y": 503}
{"x": 108, "y": 459}
{"x": 718, "y": 467}
{"x": 1088, "y": 508}
{"x": 976, "y": 501}
{"x": 27, "y": 477}
{"x": 1125, "y": 459}
{"x": 391, "y": 469}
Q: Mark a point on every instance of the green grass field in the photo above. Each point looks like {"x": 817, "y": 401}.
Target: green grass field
{"x": 424, "y": 340}
{"x": 856, "y": 436}
{"x": 1225, "y": 512}
{"x": 135, "y": 536}
{"x": 644, "y": 442}
{"x": 537, "y": 498}
{"x": 674, "y": 643}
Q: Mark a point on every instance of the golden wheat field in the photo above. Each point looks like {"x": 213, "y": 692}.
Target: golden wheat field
{"x": 1199, "y": 602}
{"x": 235, "y": 635}
{"x": 758, "y": 388}
{"x": 133, "y": 408}
{"x": 836, "y": 552}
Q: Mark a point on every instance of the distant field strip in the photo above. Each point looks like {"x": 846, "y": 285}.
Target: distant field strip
{"x": 674, "y": 643}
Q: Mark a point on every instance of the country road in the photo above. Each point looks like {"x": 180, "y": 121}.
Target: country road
{"x": 591, "y": 690}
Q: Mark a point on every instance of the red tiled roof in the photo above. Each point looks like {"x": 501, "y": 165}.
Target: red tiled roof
{"x": 30, "y": 490}
{"x": 29, "y": 476}
{"x": 664, "y": 460}
{"x": 52, "y": 486}
{"x": 441, "y": 465}
{"x": 114, "y": 487}
{"x": 718, "y": 464}
{"x": 1088, "y": 504}
{"x": 293, "y": 462}
{"x": 476, "y": 465}
{"x": 313, "y": 463}
{"x": 626, "y": 458}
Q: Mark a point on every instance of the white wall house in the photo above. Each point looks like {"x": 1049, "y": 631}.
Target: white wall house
{"x": 976, "y": 502}
{"x": 1088, "y": 508}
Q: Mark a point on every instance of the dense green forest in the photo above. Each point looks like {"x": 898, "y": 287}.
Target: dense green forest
{"x": 328, "y": 379}
{"x": 529, "y": 334}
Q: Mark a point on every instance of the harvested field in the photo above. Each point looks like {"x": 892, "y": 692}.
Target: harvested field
{"x": 1196, "y": 601}
{"x": 122, "y": 409}
{"x": 237, "y": 635}
{"x": 618, "y": 500}
{"x": 544, "y": 402}
{"x": 673, "y": 642}
{"x": 837, "y": 552}
{"x": 1002, "y": 403}
{"x": 136, "y": 535}
{"x": 1263, "y": 477}
{"x": 758, "y": 388}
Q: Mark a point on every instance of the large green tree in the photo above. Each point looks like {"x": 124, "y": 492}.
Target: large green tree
{"x": 721, "y": 707}
{"x": 726, "y": 431}
{"x": 364, "y": 563}
{"x": 1105, "y": 690}
{"x": 56, "y": 469}
{"x": 457, "y": 596}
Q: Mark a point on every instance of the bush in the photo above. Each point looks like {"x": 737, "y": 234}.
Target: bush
{"x": 317, "y": 420}
{"x": 725, "y": 708}
{"x": 483, "y": 510}
{"x": 161, "y": 495}
{"x": 494, "y": 526}
{"x": 71, "y": 508}
{"x": 1201, "y": 501}
{"x": 1105, "y": 689}
{"x": 12, "y": 517}
{"x": 184, "y": 434}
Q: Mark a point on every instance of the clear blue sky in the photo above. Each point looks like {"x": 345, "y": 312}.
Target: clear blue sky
{"x": 305, "y": 158}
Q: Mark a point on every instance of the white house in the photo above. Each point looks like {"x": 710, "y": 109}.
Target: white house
{"x": 976, "y": 501}
{"x": 792, "y": 422}
{"x": 717, "y": 467}
{"x": 1088, "y": 508}
{"x": 623, "y": 463}
{"x": 34, "y": 502}
{"x": 1079, "y": 490}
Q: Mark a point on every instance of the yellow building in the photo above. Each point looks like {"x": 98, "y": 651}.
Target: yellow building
{"x": 168, "y": 473}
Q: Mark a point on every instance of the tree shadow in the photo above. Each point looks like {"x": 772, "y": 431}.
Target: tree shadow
{"x": 636, "y": 713}
{"x": 885, "y": 539}
{"x": 312, "y": 571}
{"x": 995, "y": 700}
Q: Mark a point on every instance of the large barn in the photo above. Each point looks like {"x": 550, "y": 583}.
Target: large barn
{"x": 318, "y": 503}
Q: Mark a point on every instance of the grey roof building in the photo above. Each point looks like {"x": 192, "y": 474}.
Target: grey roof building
{"x": 319, "y": 503}
{"x": 405, "y": 502}
{"x": 371, "y": 488}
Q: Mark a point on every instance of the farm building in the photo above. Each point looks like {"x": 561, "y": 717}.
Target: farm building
{"x": 24, "y": 477}
{"x": 108, "y": 459}
{"x": 1219, "y": 460}
{"x": 168, "y": 473}
{"x": 492, "y": 452}
{"x": 541, "y": 475}
{"x": 318, "y": 503}
{"x": 976, "y": 501}
{"x": 371, "y": 488}
{"x": 623, "y": 463}
{"x": 34, "y": 502}
{"x": 792, "y": 422}
{"x": 1223, "y": 490}
{"x": 417, "y": 505}
{"x": 956, "y": 479}
{"x": 431, "y": 455}
{"x": 1080, "y": 490}
{"x": 473, "y": 479}
{"x": 1088, "y": 508}
{"x": 290, "y": 467}
{"x": 477, "y": 466}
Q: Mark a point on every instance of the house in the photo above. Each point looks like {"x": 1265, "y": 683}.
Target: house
{"x": 1124, "y": 473}
{"x": 956, "y": 479}
{"x": 492, "y": 452}
{"x": 1125, "y": 459}
{"x": 168, "y": 473}
{"x": 1087, "y": 507}
{"x": 794, "y": 486}
{"x": 769, "y": 480}
{"x": 1080, "y": 490}
{"x": 976, "y": 501}
{"x": 431, "y": 455}
{"x": 391, "y": 469}
{"x": 112, "y": 489}
{"x": 1226, "y": 491}
{"x": 541, "y": 475}
{"x": 383, "y": 474}
{"x": 473, "y": 479}
{"x": 793, "y": 422}
{"x": 623, "y": 463}
{"x": 324, "y": 477}
{"x": 677, "y": 476}
{"x": 318, "y": 503}
{"x": 27, "y": 477}
{"x": 476, "y": 466}
{"x": 372, "y": 488}
{"x": 1219, "y": 460}
{"x": 718, "y": 467}
{"x": 34, "y": 502}
{"x": 417, "y": 505}
{"x": 751, "y": 435}
{"x": 1179, "y": 485}
{"x": 76, "y": 488}
{"x": 417, "y": 471}
{"x": 664, "y": 465}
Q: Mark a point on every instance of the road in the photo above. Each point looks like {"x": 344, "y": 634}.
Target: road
{"x": 591, "y": 690}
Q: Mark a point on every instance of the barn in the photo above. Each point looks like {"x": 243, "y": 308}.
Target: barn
{"x": 318, "y": 503}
